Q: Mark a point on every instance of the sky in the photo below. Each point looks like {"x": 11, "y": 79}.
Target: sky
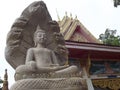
{"x": 95, "y": 15}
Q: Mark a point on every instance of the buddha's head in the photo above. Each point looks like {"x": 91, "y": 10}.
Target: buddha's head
{"x": 39, "y": 36}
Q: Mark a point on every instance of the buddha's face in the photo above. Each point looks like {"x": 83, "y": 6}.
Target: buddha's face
{"x": 40, "y": 37}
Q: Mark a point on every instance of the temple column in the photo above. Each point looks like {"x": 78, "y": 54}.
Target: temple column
{"x": 88, "y": 80}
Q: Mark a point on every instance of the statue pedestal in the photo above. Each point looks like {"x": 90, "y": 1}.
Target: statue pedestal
{"x": 74, "y": 83}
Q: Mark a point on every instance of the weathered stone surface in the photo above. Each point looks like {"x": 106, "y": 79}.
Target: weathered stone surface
{"x": 20, "y": 37}
{"x": 41, "y": 60}
{"x": 36, "y": 50}
{"x": 21, "y": 33}
{"x": 50, "y": 84}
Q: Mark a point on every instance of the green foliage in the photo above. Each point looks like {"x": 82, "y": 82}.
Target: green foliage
{"x": 1, "y": 81}
{"x": 116, "y": 3}
{"x": 109, "y": 38}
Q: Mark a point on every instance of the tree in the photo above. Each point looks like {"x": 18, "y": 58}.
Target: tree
{"x": 110, "y": 38}
{"x": 116, "y": 3}
{"x": 1, "y": 82}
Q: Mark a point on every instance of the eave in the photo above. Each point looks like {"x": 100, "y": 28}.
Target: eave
{"x": 81, "y": 50}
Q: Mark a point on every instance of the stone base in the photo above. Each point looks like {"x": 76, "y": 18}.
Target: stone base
{"x": 74, "y": 83}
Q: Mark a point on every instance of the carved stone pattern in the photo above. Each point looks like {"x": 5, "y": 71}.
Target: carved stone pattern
{"x": 112, "y": 84}
{"x": 44, "y": 75}
{"x": 50, "y": 84}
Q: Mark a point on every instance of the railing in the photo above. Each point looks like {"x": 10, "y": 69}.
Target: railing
{"x": 111, "y": 83}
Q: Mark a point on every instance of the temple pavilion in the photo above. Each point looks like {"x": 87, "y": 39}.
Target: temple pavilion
{"x": 98, "y": 63}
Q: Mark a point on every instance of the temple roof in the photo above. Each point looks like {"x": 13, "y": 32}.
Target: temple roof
{"x": 95, "y": 50}
{"x": 74, "y": 30}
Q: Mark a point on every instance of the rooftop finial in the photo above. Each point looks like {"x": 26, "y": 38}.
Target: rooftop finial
{"x": 76, "y": 17}
{"x": 57, "y": 15}
{"x": 71, "y": 15}
{"x": 38, "y": 27}
{"x": 66, "y": 14}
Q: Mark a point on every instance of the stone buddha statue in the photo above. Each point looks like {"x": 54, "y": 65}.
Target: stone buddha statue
{"x": 36, "y": 50}
{"x": 41, "y": 60}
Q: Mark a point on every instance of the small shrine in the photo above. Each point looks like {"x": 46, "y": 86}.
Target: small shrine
{"x": 4, "y": 82}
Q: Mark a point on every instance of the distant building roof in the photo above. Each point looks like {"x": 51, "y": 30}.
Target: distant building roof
{"x": 96, "y": 51}
{"x": 74, "y": 30}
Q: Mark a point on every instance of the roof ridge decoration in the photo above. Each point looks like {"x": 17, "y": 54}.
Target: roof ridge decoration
{"x": 71, "y": 30}
{"x": 71, "y": 16}
{"x": 68, "y": 26}
{"x": 62, "y": 22}
{"x": 58, "y": 15}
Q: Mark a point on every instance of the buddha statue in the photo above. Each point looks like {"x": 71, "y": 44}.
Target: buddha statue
{"x": 36, "y": 50}
{"x": 41, "y": 60}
